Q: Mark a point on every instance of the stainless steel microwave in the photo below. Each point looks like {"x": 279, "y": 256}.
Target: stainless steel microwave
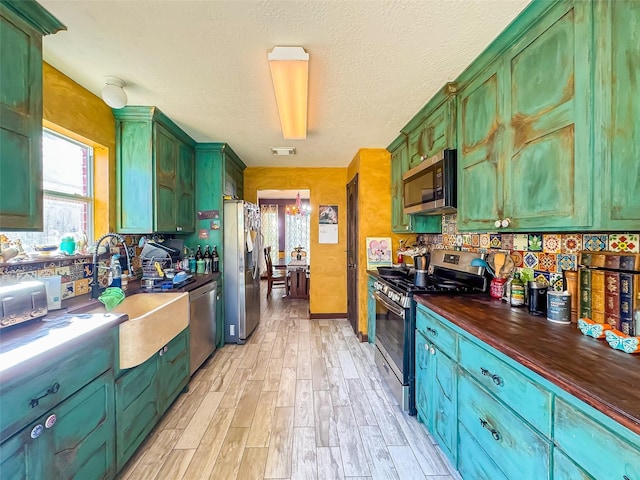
{"x": 432, "y": 186}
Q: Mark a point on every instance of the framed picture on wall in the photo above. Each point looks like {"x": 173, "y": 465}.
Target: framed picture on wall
{"x": 378, "y": 252}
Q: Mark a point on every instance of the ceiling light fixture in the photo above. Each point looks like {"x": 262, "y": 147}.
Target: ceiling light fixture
{"x": 283, "y": 150}
{"x": 113, "y": 93}
{"x": 290, "y": 74}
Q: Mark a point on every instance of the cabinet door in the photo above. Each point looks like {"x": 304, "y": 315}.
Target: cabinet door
{"x": 136, "y": 408}
{"x": 371, "y": 310}
{"x": 166, "y": 156}
{"x": 480, "y": 137}
{"x": 173, "y": 371}
{"x": 83, "y": 437}
{"x": 185, "y": 221}
{"x": 444, "y": 398}
{"x": 547, "y": 174}
{"x": 400, "y": 223}
{"x": 20, "y": 124}
{"x": 565, "y": 469}
{"x": 423, "y": 381}
{"x": 617, "y": 116}
{"x": 432, "y": 136}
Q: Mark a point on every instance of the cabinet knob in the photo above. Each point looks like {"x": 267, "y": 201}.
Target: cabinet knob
{"x": 505, "y": 222}
{"x": 497, "y": 223}
{"x": 50, "y": 421}
{"x": 432, "y": 351}
{"x": 37, "y": 431}
{"x": 178, "y": 229}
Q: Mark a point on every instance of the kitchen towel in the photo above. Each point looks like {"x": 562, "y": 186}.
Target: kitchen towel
{"x": 112, "y": 297}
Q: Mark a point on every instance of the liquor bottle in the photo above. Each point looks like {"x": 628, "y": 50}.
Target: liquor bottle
{"x": 199, "y": 254}
{"x": 517, "y": 291}
{"x": 216, "y": 259}
{"x": 207, "y": 253}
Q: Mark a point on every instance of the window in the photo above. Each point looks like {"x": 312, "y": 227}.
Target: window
{"x": 296, "y": 230}
{"x": 269, "y": 214}
{"x": 68, "y": 196}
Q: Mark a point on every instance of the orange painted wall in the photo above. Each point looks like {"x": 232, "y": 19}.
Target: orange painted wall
{"x": 72, "y": 110}
{"x": 373, "y": 166}
{"x": 327, "y": 186}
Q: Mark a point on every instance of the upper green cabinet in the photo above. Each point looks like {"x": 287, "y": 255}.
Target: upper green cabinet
{"x": 617, "y": 114}
{"x": 400, "y": 223}
{"x": 432, "y": 129}
{"x": 155, "y": 173}
{"x": 524, "y": 127}
{"x": 22, "y": 25}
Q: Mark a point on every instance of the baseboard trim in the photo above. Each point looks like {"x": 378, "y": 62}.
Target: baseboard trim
{"x": 320, "y": 316}
{"x": 363, "y": 337}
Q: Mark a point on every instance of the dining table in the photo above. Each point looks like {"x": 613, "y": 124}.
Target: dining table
{"x": 298, "y": 272}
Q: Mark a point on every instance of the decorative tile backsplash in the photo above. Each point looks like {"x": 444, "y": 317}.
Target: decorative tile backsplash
{"x": 542, "y": 256}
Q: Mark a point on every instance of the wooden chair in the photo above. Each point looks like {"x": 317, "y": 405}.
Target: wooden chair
{"x": 274, "y": 278}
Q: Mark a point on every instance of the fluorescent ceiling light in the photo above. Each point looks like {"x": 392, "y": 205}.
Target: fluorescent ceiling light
{"x": 290, "y": 74}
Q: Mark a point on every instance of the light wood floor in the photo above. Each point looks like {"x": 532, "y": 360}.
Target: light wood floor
{"x": 300, "y": 400}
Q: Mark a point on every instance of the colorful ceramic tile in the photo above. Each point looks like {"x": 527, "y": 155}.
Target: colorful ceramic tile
{"x": 87, "y": 270}
{"x": 625, "y": 242}
{"x": 77, "y": 272}
{"x": 65, "y": 273}
{"x": 438, "y": 238}
{"x": 594, "y": 243}
{"x": 475, "y": 240}
{"x": 555, "y": 282}
{"x": 530, "y": 260}
{"x": 466, "y": 239}
{"x": 68, "y": 290}
{"x": 485, "y": 240}
{"x": 517, "y": 258}
{"x": 459, "y": 240}
{"x": 451, "y": 228}
{"x": 46, "y": 272}
{"x": 27, "y": 276}
{"x": 547, "y": 262}
{"x": 507, "y": 241}
{"x": 521, "y": 242}
{"x": 542, "y": 277}
{"x": 551, "y": 243}
{"x": 571, "y": 243}
{"x": 566, "y": 261}
{"x": 526, "y": 274}
{"x": 535, "y": 243}
{"x": 495, "y": 240}
{"x": 81, "y": 286}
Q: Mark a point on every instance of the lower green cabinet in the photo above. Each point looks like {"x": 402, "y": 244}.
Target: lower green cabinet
{"x": 75, "y": 439}
{"x": 474, "y": 463}
{"x": 145, "y": 392}
{"x": 565, "y": 469}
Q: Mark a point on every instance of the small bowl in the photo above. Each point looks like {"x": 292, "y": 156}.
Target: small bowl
{"x": 45, "y": 248}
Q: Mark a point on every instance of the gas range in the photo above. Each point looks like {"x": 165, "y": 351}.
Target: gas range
{"x": 450, "y": 273}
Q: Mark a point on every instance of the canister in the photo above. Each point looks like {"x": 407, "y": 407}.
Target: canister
{"x": 559, "y": 307}
{"x": 537, "y": 298}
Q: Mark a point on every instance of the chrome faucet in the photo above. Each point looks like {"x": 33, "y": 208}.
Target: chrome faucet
{"x": 95, "y": 289}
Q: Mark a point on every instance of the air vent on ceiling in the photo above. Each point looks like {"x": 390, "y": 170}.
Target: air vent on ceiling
{"x": 283, "y": 150}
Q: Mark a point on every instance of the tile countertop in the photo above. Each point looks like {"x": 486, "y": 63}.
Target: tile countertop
{"x": 587, "y": 368}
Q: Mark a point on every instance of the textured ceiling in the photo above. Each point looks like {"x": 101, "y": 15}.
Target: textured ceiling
{"x": 373, "y": 64}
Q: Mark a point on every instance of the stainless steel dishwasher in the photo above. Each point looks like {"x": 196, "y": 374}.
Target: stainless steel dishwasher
{"x": 202, "y": 323}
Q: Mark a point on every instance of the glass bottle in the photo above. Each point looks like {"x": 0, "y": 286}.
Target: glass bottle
{"x": 216, "y": 259}
{"x": 199, "y": 254}
{"x": 207, "y": 253}
{"x": 517, "y": 291}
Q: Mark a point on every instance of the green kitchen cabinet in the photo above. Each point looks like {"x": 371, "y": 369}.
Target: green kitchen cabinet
{"x": 22, "y": 25}
{"x": 145, "y": 392}
{"x": 233, "y": 173}
{"x": 401, "y": 222}
{"x": 433, "y": 128}
{"x": 617, "y": 115}
{"x": 524, "y": 160}
{"x": 75, "y": 439}
{"x": 155, "y": 173}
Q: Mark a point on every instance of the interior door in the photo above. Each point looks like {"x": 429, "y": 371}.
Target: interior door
{"x": 352, "y": 253}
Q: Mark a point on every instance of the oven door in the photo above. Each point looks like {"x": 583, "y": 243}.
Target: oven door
{"x": 392, "y": 350}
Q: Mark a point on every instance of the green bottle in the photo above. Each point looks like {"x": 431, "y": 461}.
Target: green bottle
{"x": 517, "y": 291}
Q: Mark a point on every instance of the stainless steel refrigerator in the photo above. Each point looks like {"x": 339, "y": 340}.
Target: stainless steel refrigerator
{"x": 241, "y": 269}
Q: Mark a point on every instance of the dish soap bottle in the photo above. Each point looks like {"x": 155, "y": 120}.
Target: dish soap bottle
{"x": 517, "y": 291}
{"x": 116, "y": 271}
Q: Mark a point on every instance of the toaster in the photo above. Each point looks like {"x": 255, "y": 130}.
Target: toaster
{"x": 21, "y": 302}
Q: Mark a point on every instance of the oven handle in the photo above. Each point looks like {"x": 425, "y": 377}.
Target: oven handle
{"x": 391, "y": 306}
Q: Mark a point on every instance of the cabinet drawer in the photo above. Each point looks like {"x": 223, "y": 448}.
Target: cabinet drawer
{"x": 599, "y": 451}
{"x": 435, "y": 331}
{"x": 565, "y": 469}
{"x": 174, "y": 370}
{"x": 523, "y": 395}
{"x": 473, "y": 462}
{"x": 518, "y": 449}
{"x": 27, "y": 398}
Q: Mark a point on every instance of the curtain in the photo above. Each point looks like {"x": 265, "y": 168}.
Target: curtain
{"x": 296, "y": 230}
{"x": 269, "y": 214}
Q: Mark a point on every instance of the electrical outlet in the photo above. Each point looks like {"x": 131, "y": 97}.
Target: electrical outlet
{"x": 232, "y": 330}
